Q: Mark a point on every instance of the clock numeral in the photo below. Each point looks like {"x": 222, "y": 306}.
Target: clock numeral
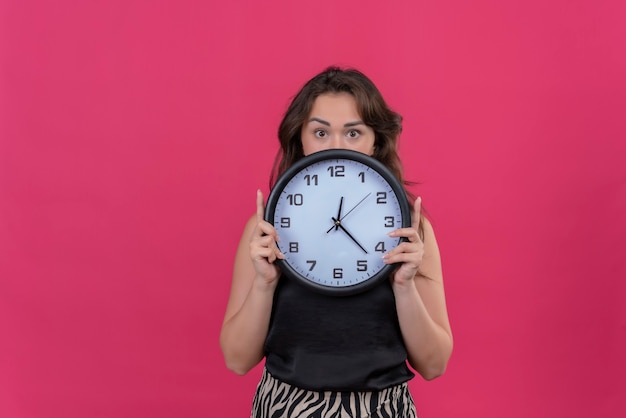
{"x": 380, "y": 247}
{"x": 293, "y": 247}
{"x": 361, "y": 265}
{"x": 362, "y": 175}
{"x": 389, "y": 221}
{"x": 311, "y": 179}
{"x": 312, "y": 263}
{"x": 295, "y": 199}
{"x": 285, "y": 222}
{"x": 381, "y": 198}
{"x": 338, "y": 273}
{"x": 336, "y": 170}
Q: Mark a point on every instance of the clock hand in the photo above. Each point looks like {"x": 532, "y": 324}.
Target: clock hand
{"x": 355, "y": 206}
{"x": 339, "y": 213}
{"x": 339, "y": 218}
{"x": 338, "y": 223}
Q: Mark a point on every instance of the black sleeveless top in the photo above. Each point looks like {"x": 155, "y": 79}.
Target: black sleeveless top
{"x": 346, "y": 343}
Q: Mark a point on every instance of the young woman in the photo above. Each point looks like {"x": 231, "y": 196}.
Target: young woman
{"x": 317, "y": 365}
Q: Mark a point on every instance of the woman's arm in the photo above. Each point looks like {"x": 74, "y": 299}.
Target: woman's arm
{"x": 249, "y": 306}
{"x": 420, "y": 299}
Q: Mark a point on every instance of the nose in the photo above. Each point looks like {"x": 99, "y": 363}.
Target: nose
{"x": 337, "y": 142}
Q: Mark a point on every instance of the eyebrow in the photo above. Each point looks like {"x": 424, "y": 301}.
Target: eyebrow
{"x": 347, "y": 125}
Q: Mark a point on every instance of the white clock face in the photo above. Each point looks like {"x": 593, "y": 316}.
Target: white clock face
{"x": 333, "y": 217}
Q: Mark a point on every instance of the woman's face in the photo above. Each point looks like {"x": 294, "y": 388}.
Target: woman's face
{"x": 334, "y": 122}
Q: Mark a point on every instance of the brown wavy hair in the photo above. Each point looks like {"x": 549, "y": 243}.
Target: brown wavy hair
{"x": 371, "y": 107}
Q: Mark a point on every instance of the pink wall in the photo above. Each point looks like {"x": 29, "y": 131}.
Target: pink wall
{"x": 133, "y": 135}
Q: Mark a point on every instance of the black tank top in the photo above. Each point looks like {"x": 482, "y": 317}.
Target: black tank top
{"x": 347, "y": 343}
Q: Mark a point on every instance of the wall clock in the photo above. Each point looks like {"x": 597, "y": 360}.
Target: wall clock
{"x": 332, "y": 211}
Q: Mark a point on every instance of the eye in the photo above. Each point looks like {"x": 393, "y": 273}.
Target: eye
{"x": 320, "y": 133}
{"x": 354, "y": 133}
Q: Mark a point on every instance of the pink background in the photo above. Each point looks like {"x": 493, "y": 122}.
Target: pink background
{"x": 133, "y": 135}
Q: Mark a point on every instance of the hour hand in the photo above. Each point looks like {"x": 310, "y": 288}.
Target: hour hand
{"x": 355, "y": 206}
{"x": 338, "y": 224}
{"x": 339, "y": 212}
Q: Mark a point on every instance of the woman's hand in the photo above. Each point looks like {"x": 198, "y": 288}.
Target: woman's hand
{"x": 263, "y": 248}
{"x": 410, "y": 253}
{"x": 249, "y": 308}
{"x": 421, "y": 304}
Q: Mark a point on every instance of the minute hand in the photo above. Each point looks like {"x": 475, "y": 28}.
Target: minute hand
{"x": 348, "y": 234}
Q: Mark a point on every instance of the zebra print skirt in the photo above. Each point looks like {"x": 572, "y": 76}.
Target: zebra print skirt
{"x": 276, "y": 399}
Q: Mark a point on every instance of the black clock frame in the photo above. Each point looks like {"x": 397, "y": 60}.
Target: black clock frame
{"x": 338, "y": 154}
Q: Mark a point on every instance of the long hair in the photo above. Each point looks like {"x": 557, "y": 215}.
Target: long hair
{"x": 371, "y": 107}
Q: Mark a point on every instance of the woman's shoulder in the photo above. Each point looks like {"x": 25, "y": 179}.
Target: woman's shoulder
{"x": 250, "y": 224}
{"x": 427, "y": 225}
